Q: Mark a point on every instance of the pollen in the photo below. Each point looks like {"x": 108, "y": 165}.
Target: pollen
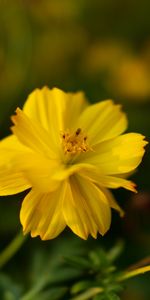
{"x": 74, "y": 143}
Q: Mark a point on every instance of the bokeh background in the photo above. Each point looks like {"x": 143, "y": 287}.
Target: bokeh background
{"x": 103, "y": 48}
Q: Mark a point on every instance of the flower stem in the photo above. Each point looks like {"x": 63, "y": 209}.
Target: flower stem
{"x": 11, "y": 249}
{"x": 35, "y": 290}
{"x": 89, "y": 293}
{"x": 133, "y": 273}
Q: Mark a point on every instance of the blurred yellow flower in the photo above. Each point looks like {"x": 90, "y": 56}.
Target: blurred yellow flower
{"x": 131, "y": 79}
{"x": 120, "y": 70}
{"x": 68, "y": 153}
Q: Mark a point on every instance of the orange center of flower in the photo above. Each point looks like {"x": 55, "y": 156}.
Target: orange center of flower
{"x": 74, "y": 143}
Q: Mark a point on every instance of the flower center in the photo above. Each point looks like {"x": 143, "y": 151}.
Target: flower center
{"x": 74, "y": 143}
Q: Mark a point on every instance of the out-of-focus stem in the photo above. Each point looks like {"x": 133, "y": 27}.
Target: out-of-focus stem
{"x": 90, "y": 293}
{"x": 11, "y": 249}
{"x": 133, "y": 273}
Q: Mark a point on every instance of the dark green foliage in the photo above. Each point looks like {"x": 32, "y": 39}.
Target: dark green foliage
{"x": 76, "y": 276}
{"x": 9, "y": 290}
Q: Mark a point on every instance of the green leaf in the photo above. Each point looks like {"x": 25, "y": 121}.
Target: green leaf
{"x": 78, "y": 262}
{"x": 8, "y": 289}
{"x": 53, "y": 293}
{"x": 88, "y": 294}
{"x": 81, "y": 286}
{"x": 114, "y": 252}
{"x": 99, "y": 259}
{"x": 107, "y": 296}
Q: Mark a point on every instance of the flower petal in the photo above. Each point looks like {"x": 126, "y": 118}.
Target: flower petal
{"x": 11, "y": 143}
{"x": 112, "y": 202}
{"x": 54, "y": 109}
{"x": 85, "y": 208}
{"x": 39, "y": 171}
{"x": 64, "y": 172}
{"x": 76, "y": 214}
{"x": 31, "y": 134}
{"x": 12, "y": 180}
{"x": 102, "y": 121}
{"x": 94, "y": 174}
{"x": 41, "y": 214}
{"x": 118, "y": 156}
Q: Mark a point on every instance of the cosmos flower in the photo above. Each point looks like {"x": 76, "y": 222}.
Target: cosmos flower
{"x": 68, "y": 153}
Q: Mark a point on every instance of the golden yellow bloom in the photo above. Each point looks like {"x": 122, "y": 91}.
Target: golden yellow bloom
{"x": 68, "y": 153}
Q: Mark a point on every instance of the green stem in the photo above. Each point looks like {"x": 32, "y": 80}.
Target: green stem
{"x": 90, "y": 293}
{"x": 133, "y": 273}
{"x": 11, "y": 249}
{"x": 35, "y": 290}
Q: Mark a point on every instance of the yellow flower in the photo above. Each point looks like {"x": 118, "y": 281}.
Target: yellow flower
{"x": 68, "y": 153}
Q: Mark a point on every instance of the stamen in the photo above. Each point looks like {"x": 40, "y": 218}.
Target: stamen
{"x": 78, "y": 131}
{"x": 74, "y": 143}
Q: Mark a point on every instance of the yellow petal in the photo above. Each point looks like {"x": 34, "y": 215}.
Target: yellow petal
{"x": 11, "y": 143}
{"x": 117, "y": 156}
{"x": 95, "y": 175}
{"x": 41, "y": 214}
{"x": 54, "y": 109}
{"x": 43, "y": 173}
{"x": 39, "y": 171}
{"x": 86, "y": 210}
{"x": 112, "y": 202}
{"x": 102, "y": 121}
{"x": 12, "y": 180}
{"x": 116, "y": 182}
{"x": 31, "y": 134}
{"x": 76, "y": 213}
{"x": 65, "y": 171}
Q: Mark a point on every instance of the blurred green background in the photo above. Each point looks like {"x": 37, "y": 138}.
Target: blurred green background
{"x": 103, "y": 48}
